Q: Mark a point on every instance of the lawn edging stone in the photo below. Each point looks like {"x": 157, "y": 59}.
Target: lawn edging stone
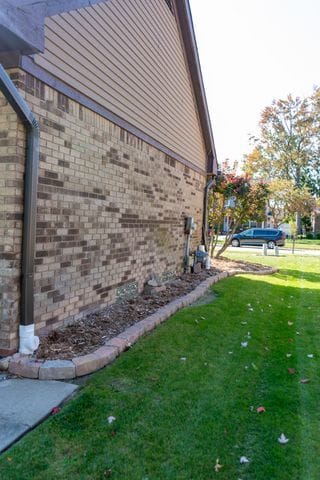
{"x": 25, "y": 366}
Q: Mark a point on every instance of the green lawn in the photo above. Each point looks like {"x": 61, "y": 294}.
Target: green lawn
{"x": 187, "y": 394}
{"x": 304, "y": 244}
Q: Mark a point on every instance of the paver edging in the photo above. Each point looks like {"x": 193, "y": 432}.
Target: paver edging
{"x": 24, "y": 366}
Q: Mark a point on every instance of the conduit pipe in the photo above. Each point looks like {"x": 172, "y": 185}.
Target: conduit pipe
{"x": 205, "y": 212}
{"x": 28, "y": 341}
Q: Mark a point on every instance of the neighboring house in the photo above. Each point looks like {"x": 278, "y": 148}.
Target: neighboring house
{"x": 126, "y": 151}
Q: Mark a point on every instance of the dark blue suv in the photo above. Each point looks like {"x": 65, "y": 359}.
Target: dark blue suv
{"x": 259, "y": 236}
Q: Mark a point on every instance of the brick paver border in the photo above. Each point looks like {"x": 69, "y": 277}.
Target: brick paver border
{"x": 25, "y": 366}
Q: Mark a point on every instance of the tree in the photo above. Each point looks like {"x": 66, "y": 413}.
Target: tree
{"x": 286, "y": 200}
{"x": 237, "y": 198}
{"x": 287, "y": 147}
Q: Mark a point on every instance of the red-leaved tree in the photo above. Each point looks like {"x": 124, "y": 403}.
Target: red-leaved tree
{"x": 237, "y": 198}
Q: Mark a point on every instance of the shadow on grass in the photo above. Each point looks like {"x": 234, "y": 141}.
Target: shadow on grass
{"x": 310, "y": 277}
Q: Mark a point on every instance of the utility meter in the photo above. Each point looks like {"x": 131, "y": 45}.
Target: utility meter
{"x": 190, "y": 226}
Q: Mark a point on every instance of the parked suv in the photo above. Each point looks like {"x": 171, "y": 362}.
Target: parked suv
{"x": 259, "y": 236}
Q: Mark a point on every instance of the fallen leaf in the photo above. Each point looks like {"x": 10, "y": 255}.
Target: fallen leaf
{"x": 290, "y": 340}
{"x": 113, "y": 433}
{"x": 55, "y": 410}
{"x": 305, "y": 380}
{"x": 111, "y": 419}
{"x": 291, "y": 371}
{"x": 283, "y": 439}
{"x": 217, "y": 466}
{"x": 261, "y": 409}
{"x": 244, "y": 460}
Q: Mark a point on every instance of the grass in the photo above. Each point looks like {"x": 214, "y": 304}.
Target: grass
{"x": 304, "y": 243}
{"x": 175, "y": 417}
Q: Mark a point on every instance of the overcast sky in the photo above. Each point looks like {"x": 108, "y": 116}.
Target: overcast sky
{"x": 251, "y": 52}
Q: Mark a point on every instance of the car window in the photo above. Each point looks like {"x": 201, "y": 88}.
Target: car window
{"x": 247, "y": 233}
{"x": 259, "y": 232}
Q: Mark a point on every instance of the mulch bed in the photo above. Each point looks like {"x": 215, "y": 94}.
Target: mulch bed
{"x": 88, "y": 334}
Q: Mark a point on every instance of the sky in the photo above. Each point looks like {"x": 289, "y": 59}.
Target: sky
{"x": 251, "y": 52}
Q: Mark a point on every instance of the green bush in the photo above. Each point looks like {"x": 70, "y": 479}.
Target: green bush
{"x": 309, "y": 236}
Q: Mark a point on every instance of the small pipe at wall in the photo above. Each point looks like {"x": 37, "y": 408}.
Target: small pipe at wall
{"x": 205, "y": 212}
{"x": 28, "y": 341}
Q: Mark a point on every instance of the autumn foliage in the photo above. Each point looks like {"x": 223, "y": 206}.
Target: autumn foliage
{"x": 237, "y": 198}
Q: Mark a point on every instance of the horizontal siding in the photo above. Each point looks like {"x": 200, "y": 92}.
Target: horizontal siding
{"x": 127, "y": 56}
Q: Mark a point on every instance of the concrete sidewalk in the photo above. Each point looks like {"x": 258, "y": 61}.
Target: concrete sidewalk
{"x": 24, "y": 403}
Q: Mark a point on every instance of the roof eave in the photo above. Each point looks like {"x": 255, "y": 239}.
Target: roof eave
{"x": 189, "y": 39}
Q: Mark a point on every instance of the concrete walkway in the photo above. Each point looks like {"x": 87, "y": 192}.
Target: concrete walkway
{"x": 25, "y": 403}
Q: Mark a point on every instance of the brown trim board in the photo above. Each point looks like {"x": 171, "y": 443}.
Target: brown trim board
{"x": 27, "y": 64}
{"x": 189, "y": 43}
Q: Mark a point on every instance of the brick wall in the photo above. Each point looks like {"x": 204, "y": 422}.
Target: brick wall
{"x": 111, "y": 209}
{"x": 12, "y": 155}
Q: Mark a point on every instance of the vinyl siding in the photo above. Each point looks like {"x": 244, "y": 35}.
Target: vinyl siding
{"x": 127, "y": 56}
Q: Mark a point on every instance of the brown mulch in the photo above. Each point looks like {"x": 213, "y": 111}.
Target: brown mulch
{"x": 88, "y": 334}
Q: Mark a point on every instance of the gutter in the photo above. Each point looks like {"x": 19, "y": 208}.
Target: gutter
{"x": 28, "y": 341}
{"x": 192, "y": 56}
{"x": 205, "y": 212}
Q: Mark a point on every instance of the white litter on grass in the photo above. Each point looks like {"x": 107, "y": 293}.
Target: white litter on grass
{"x": 244, "y": 344}
{"x": 111, "y": 419}
{"x": 230, "y": 353}
{"x": 283, "y": 439}
{"x": 288, "y": 355}
{"x": 244, "y": 323}
{"x": 270, "y": 305}
{"x": 310, "y": 355}
{"x": 298, "y": 333}
{"x": 183, "y": 359}
{"x": 246, "y": 367}
{"x": 250, "y": 309}
{"x": 244, "y": 460}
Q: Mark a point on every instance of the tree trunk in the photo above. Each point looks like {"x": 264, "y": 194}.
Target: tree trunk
{"x": 299, "y": 223}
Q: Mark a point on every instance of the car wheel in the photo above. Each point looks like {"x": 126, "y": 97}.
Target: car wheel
{"x": 271, "y": 244}
{"x": 235, "y": 243}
